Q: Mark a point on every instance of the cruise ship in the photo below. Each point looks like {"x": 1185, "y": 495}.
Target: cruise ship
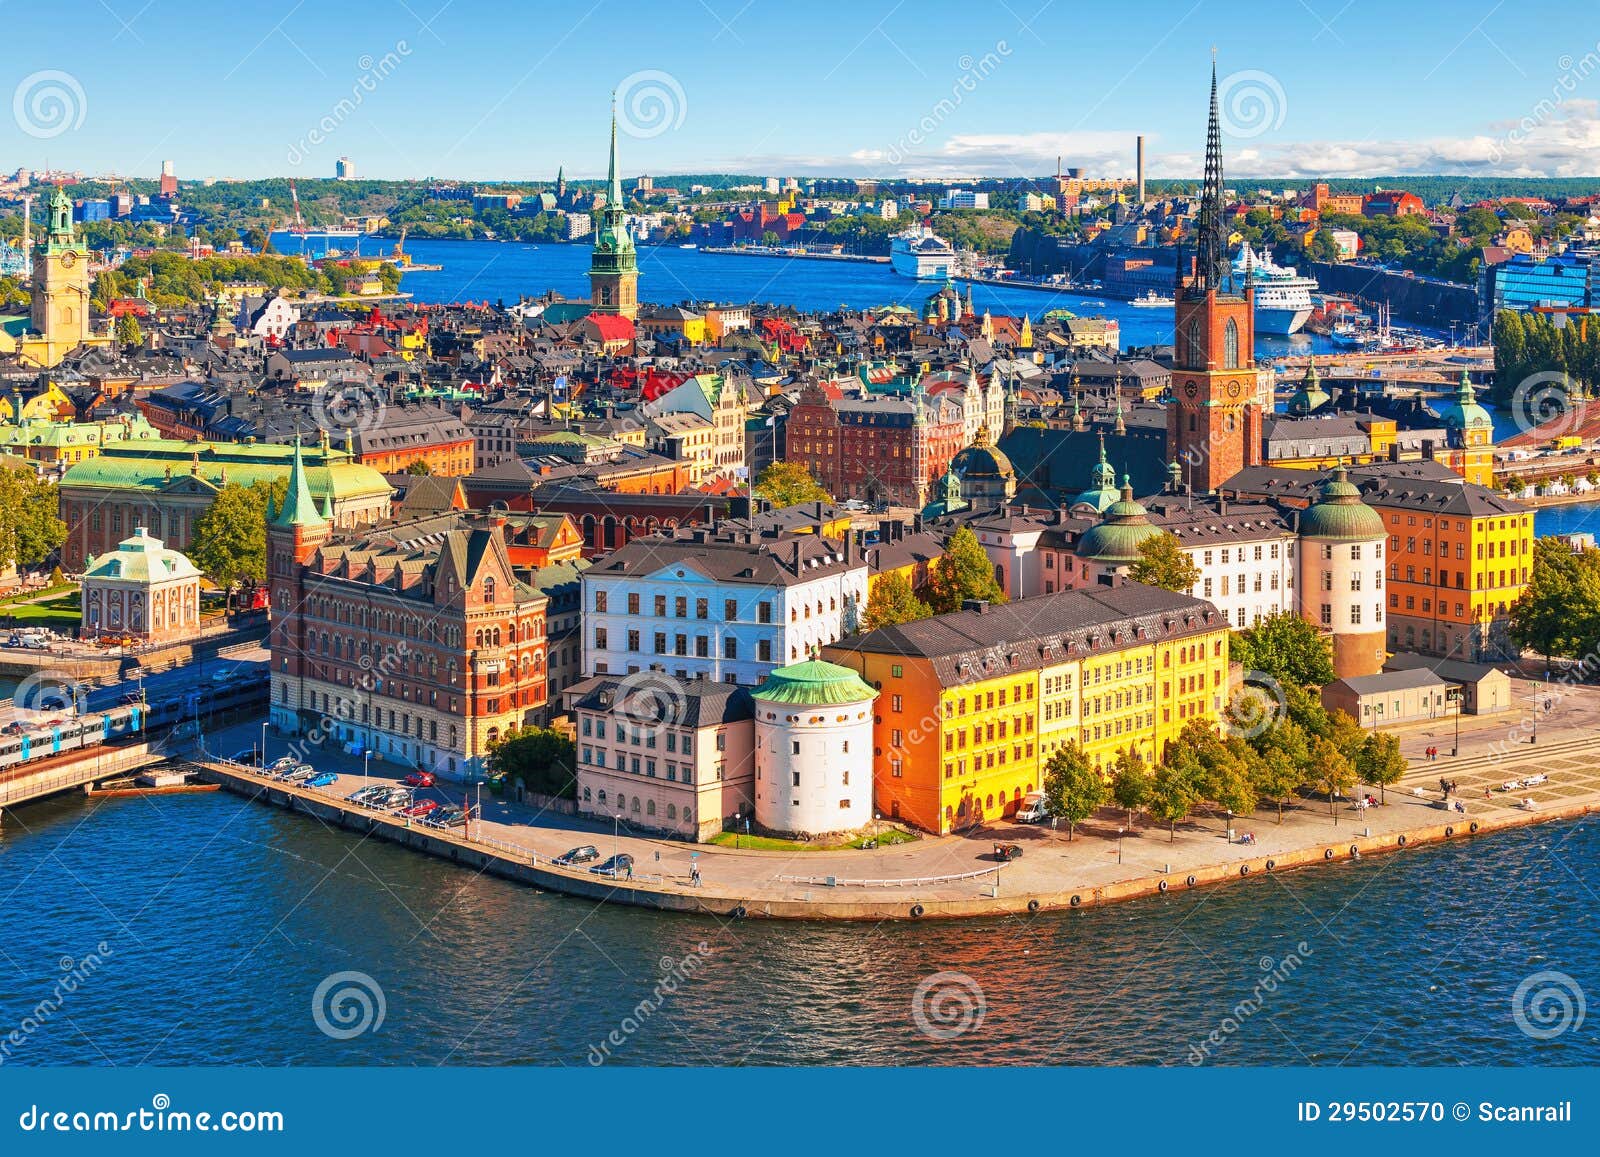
{"x": 1283, "y": 297}
{"x": 921, "y": 253}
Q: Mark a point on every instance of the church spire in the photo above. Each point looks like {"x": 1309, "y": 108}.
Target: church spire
{"x": 1210, "y": 258}
{"x": 299, "y": 509}
{"x": 614, "y": 182}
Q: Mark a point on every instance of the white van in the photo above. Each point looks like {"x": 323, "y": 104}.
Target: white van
{"x": 1033, "y": 809}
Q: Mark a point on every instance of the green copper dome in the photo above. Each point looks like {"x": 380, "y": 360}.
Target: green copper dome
{"x": 814, "y": 683}
{"x": 1102, "y": 492}
{"x": 1464, "y": 413}
{"x": 1125, "y": 527}
{"x": 1340, "y": 513}
{"x": 1310, "y": 396}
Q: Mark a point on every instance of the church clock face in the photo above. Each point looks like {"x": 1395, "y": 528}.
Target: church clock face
{"x": 68, "y": 258}
{"x": 1233, "y": 389}
{"x": 1191, "y": 389}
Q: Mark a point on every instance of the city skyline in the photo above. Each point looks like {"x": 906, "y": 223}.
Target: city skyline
{"x": 890, "y": 91}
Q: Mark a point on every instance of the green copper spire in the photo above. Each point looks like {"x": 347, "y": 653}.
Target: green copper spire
{"x": 613, "y": 247}
{"x": 613, "y": 181}
{"x": 299, "y": 508}
{"x": 60, "y": 234}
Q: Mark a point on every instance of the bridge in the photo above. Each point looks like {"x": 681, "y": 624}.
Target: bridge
{"x": 77, "y": 769}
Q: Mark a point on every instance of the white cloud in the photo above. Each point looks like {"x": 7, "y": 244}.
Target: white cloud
{"x": 1558, "y": 140}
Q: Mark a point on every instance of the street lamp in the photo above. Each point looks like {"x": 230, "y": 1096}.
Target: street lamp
{"x": 1455, "y": 695}
{"x": 1119, "y": 845}
{"x": 616, "y": 820}
{"x": 366, "y": 754}
{"x": 262, "y": 760}
{"x": 736, "y": 831}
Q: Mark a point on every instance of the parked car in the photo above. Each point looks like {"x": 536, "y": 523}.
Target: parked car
{"x": 419, "y": 779}
{"x": 394, "y": 799}
{"x": 1033, "y": 809}
{"x": 584, "y": 855}
{"x": 419, "y": 809}
{"x": 282, "y": 763}
{"x": 15, "y": 727}
{"x": 619, "y": 865}
{"x": 362, "y": 794}
{"x": 246, "y": 756}
{"x": 1007, "y": 852}
{"x": 323, "y": 779}
{"x": 300, "y": 774}
{"x": 446, "y": 817}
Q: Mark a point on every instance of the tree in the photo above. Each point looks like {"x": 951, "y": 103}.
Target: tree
{"x": 129, "y": 335}
{"x": 420, "y": 468}
{"x": 29, "y": 527}
{"x": 1336, "y": 775}
{"x": 1275, "y": 776}
{"x": 1172, "y": 790}
{"x": 892, "y": 602}
{"x": 963, "y": 572}
{"x": 1558, "y": 614}
{"x": 541, "y": 758}
{"x": 1379, "y": 761}
{"x": 1163, "y": 563}
{"x": 1130, "y": 783}
{"x": 1287, "y": 648}
{"x": 789, "y": 484}
{"x": 229, "y": 544}
{"x": 1072, "y": 787}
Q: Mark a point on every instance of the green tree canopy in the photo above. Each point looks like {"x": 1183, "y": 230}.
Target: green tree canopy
{"x": 892, "y": 602}
{"x": 1130, "y": 782}
{"x": 129, "y": 335}
{"x": 1174, "y": 790}
{"x": 1379, "y": 760}
{"x": 230, "y": 539}
{"x": 1286, "y": 647}
{"x": 541, "y": 758}
{"x": 1558, "y": 614}
{"x": 788, "y": 484}
{"x": 963, "y": 572}
{"x": 1072, "y": 787}
{"x": 1163, "y": 563}
{"x": 29, "y": 527}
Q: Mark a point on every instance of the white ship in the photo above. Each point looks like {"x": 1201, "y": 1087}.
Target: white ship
{"x": 1152, "y": 300}
{"x": 1283, "y": 297}
{"x": 921, "y": 253}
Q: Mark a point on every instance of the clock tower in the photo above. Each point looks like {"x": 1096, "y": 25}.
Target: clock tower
{"x": 60, "y": 288}
{"x": 1214, "y": 424}
{"x": 614, "y": 265}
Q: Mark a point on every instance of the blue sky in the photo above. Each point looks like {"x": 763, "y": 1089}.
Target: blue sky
{"x": 473, "y": 89}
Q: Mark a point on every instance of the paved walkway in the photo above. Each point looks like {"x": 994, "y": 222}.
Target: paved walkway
{"x": 1107, "y": 853}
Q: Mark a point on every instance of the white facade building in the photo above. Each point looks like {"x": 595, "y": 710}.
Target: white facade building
{"x": 813, "y": 729}
{"x": 727, "y": 605}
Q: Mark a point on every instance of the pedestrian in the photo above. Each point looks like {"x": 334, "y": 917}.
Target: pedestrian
{"x": 694, "y": 875}
{"x": 630, "y": 871}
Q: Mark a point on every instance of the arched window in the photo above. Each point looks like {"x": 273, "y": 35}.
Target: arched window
{"x": 1230, "y": 346}
{"x": 1192, "y": 356}
{"x": 672, "y": 811}
{"x": 650, "y": 807}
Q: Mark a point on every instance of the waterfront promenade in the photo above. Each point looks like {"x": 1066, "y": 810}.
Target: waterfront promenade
{"x": 956, "y": 876}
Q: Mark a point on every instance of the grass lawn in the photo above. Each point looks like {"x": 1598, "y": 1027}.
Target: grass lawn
{"x": 768, "y": 844}
{"x": 56, "y": 613}
{"x": 42, "y": 592}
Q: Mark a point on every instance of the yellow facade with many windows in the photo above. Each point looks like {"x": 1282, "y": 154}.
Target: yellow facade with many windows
{"x": 973, "y": 704}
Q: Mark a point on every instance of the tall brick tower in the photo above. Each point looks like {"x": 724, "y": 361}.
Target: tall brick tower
{"x": 1214, "y": 424}
{"x": 293, "y": 536}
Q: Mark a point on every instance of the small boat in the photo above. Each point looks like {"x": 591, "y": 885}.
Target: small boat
{"x": 689, "y": 245}
{"x": 1152, "y": 300}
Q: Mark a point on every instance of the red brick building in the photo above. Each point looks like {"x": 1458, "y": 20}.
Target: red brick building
{"x": 413, "y": 639}
{"x": 876, "y": 448}
{"x": 1392, "y": 203}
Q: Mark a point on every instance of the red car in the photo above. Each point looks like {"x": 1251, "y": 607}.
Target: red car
{"x": 419, "y": 779}
{"x": 420, "y": 809}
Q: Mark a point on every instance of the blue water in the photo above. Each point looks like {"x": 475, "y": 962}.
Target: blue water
{"x": 220, "y": 918}
{"x": 496, "y": 271}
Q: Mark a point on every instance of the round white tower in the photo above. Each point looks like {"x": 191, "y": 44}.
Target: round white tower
{"x": 1341, "y": 570}
{"x": 813, "y": 749}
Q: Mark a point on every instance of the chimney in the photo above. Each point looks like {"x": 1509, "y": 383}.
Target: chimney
{"x": 979, "y": 605}
{"x": 1138, "y": 164}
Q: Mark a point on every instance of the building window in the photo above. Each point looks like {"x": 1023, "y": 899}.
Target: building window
{"x": 600, "y": 601}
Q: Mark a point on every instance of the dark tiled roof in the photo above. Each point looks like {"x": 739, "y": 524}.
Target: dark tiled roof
{"x": 1039, "y": 632}
{"x": 658, "y": 697}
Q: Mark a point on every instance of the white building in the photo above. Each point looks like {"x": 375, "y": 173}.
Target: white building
{"x": 963, "y": 199}
{"x": 728, "y": 604}
{"x": 813, "y": 732}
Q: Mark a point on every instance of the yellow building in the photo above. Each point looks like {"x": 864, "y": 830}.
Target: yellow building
{"x": 63, "y": 444}
{"x": 60, "y": 316}
{"x": 50, "y": 404}
{"x": 973, "y": 704}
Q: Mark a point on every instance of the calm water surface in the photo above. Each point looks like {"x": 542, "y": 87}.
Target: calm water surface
{"x": 222, "y": 918}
